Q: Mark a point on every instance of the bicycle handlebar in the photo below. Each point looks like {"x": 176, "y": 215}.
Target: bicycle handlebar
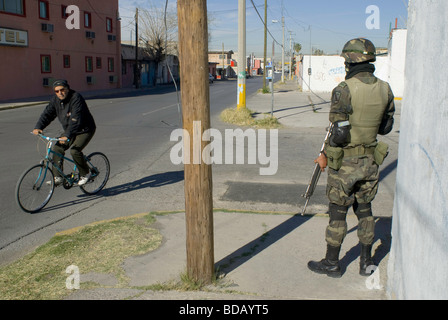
{"x": 49, "y": 139}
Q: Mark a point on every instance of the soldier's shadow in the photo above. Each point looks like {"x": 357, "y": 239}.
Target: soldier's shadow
{"x": 256, "y": 246}
{"x": 383, "y": 227}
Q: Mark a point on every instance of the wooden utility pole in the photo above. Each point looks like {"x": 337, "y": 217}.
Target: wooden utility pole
{"x": 193, "y": 55}
{"x": 136, "y": 68}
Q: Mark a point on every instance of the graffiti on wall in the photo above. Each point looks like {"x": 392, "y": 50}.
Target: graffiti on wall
{"x": 326, "y": 72}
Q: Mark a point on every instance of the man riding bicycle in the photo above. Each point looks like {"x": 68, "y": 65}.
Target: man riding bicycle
{"x": 78, "y": 124}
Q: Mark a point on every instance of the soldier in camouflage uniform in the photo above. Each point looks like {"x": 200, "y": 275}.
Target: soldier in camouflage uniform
{"x": 362, "y": 106}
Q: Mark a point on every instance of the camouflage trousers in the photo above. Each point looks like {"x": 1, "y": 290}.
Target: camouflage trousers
{"x": 354, "y": 184}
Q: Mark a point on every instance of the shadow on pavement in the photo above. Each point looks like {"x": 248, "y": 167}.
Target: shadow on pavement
{"x": 383, "y": 227}
{"x": 153, "y": 181}
{"x": 256, "y": 246}
{"x": 250, "y": 250}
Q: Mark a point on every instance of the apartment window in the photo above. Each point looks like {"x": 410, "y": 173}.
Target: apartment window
{"x": 109, "y": 27}
{"x": 89, "y": 64}
{"x": 87, "y": 19}
{"x": 13, "y": 6}
{"x": 110, "y": 64}
{"x": 45, "y": 63}
{"x": 99, "y": 63}
{"x": 64, "y": 14}
{"x": 66, "y": 61}
{"x": 44, "y": 10}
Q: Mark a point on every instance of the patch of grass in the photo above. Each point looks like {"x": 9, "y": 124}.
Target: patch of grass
{"x": 267, "y": 122}
{"x": 245, "y": 117}
{"x": 100, "y": 247}
{"x": 239, "y": 117}
{"x": 265, "y": 90}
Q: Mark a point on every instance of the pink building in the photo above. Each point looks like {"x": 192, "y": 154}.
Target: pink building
{"x": 43, "y": 40}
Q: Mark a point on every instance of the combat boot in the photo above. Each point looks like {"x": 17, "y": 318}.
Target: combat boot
{"x": 365, "y": 260}
{"x": 329, "y": 265}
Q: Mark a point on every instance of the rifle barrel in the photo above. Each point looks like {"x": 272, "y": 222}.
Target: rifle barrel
{"x": 316, "y": 173}
{"x": 304, "y": 208}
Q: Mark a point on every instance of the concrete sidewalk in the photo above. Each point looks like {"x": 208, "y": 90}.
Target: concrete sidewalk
{"x": 264, "y": 256}
{"x": 259, "y": 256}
{"x": 33, "y": 101}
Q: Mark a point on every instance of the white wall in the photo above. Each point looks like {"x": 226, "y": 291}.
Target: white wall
{"x": 418, "y": 262}
{"x": 397, "y": 61}
{"x": 326, "y": 73}
{"x": 329, "y": 71}
{"x": 382, "y": 68}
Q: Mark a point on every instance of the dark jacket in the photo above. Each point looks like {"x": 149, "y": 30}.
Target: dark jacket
{"x": 72, "y": 112}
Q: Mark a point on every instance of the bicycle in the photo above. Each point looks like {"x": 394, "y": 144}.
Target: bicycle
{"x": 35, "y": 186}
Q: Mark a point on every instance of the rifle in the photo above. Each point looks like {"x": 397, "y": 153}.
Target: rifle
{"x": 316, "y": 174}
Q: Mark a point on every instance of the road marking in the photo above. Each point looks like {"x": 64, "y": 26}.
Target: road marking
{"x": 160, "y": 109}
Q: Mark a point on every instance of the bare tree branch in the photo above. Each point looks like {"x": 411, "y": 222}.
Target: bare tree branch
{"x": 159, "y": 38}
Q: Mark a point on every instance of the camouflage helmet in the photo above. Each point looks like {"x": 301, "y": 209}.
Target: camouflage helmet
{"x": 359, "y": 50}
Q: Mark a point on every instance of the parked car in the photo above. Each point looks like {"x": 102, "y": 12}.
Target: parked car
{"x": 210, "y": 78}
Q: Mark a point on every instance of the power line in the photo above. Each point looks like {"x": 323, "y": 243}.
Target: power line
{"x": 264, "y": 23}
{"x": 230, "y": 10}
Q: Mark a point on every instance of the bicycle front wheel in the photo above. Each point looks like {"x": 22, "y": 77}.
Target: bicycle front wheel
{"x": 99, "y": 169}
{"x": 35, "y": 188}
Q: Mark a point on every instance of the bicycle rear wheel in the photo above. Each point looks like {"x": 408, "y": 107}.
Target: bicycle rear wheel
{"x": 35, "y": 188}
{"x": 100, "y": 169}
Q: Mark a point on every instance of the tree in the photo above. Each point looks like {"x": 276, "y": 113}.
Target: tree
{"x": 318, "y": 52}
{"x": 154, "y": 33}
{"x": 158, "y": 32}
{"x": 297, "y": 47}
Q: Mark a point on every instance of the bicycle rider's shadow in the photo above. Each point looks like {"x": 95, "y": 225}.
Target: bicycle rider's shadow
{"x": 153, "y": 181}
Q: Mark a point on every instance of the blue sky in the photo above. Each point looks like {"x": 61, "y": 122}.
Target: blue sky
{"x": 330, "y": 23}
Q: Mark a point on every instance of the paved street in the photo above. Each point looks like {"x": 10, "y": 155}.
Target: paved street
{"x": 133, "y": 130}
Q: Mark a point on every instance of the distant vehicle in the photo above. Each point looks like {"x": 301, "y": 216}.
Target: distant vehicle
{"x": 210, "y": 78}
